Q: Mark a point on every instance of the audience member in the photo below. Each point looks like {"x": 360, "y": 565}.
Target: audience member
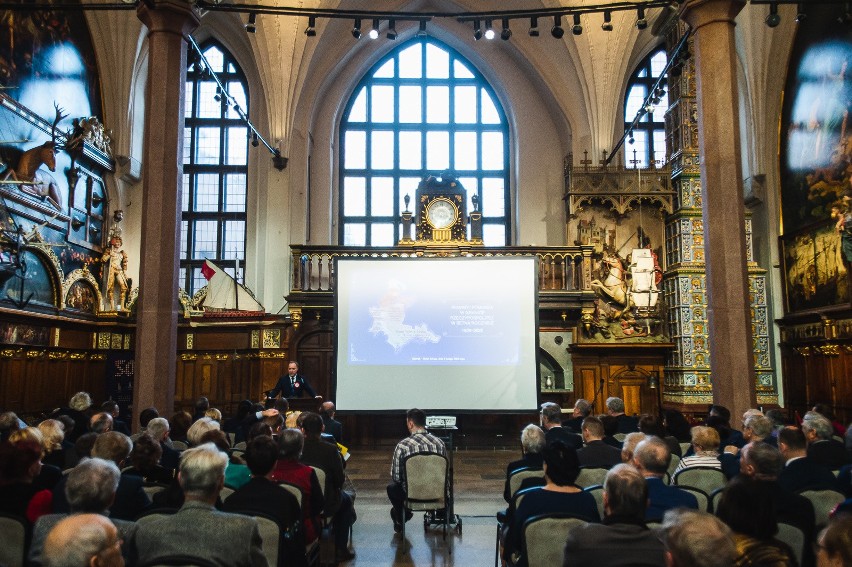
{"x": 260, "y": 428}
{"x": 289, "y": 469}
{"x": 582, "y": 410}
{"x": 83, "y": 540}
{"x": 418, "y": 441}
{"x": 653, "y": 426}
{"x": 199, "y": 428}
{"x": 54, "y": 444}
{"x": 825, "y": 411}
{"x": 198, "y": 529}
{"x": 233, "y": 425}
{"x": 179, "y": 424}
{"x": 90, "y": 489}
{"x": 705, "y": 445}
{"x": 697, "y": 539}
{"x": 145, "y": 416}
{"x": 202, "y": 404}
{"x": 596, "y": 453}
{"x": 747, "y": 507}
{"x": 332, "y": 426}
{"x": 338, "y": 504}
{"x": 532, "y": 444}
{"x": 159, "y": 429}
{"x": 821, "y": 447}
{"x": 622, "y": 539}
{"x": 77, "y": 410}
{"x": 626, "y": 423}
{"x": 48, "y": 475}
{"x": 719, "y": 418}
{"x": 629, "y": 445}
{"x": 676, "y": 424}
{"x": 9, "y": 422}
{"x": 118, "y": 424}
{"x": 100, "y": 423}
{"x": 800, "y": 470}
{"x": 145, "y": 461}
{"x": 551, "y": 422}
{"x": 214, "y": 414}
{"x": 237, "y": 473}
{"x": 20, "y": 464}
{"x": 559, "y": 494}
{"x": 610, "y": 424}
{"x": 652, "y": 458}
{"x": 261, "y": 495}
{"x": 779, "y": 421}
{"x": 834, "y": 544}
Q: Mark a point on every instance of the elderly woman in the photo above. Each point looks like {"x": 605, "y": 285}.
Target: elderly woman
{"x": 288, "y": 469}
{"x": 199, "y": 428}
{"x": 145, "y": 461}
{"x": 705, "y": 444}
{"x": 48, "y": 475}
{"x": 78, "y": 410}
{"x": 558, "y": 495}
{"x": 53, "y": 442}
{"x": 20, "y": 465}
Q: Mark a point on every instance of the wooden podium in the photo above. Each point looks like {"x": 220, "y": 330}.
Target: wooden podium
{"x": 305, "y": 404}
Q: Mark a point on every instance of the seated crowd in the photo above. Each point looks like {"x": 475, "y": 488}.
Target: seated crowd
{"x": 80, "y": 485}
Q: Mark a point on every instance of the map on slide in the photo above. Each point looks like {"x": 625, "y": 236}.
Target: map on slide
{"x": 388, "y": 319}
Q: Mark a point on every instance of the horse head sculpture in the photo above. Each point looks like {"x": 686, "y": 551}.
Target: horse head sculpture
{"x": 32, "y": 159}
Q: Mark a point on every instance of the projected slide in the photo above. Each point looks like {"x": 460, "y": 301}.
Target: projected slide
{"x": 451, "y": 333}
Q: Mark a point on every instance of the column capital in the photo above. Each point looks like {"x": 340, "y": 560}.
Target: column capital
{"x": 170, "y": 16}
{"x": 698, "y": 13}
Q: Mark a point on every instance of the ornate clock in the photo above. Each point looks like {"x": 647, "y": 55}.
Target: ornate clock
{"x": 440, "y": 210}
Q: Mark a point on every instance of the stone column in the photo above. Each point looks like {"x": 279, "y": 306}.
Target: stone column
{"x": 168, "y": 22}
{"x": 729, "y": 317}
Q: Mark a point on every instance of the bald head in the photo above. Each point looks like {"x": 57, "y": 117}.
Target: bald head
{"x": 82, "y": 540}
{"x": 652, "y": 457}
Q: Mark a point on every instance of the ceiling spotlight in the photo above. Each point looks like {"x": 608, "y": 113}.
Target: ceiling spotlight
{"x": 254, "y": 140}
{"x": 533, "y": 27}
{"x": 251, "y": 25}
{"x": 391, "y": 29}
{"x": 477, "y": 31}
{"x": 607, "y": 23}
{"x": 630, "y": 140}
{"x": 557, "y": 31}
{"x": 421, "y": 31}
{"x": 374, "y": 32}
{"x": 641, "y": 22}
{"x": 218, "y": 96}
{"x": 577, "y": 28}
{"x": 356, "y": 29}
{"x": 506, "y": 33}
{"x": 801, "y": 15}
{"x": 311, "y": 30}
{"x": 773, "y": 18}
{"x": 489, "y": 33}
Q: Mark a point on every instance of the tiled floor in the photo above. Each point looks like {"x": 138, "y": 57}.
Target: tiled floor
{"x": 479, "y": 477}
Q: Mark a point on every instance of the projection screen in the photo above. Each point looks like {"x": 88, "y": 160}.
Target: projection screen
{"x": 453, "y": 334}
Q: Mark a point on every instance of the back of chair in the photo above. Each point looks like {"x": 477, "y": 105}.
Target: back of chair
{"x": 320, "y": 478}
{"x": 673, "y": 465}
{"x": 715, "y": 497}
{"x": 518, "y": 476}
{"x": 225, "y": 492}
{"x": 591, "y": 476}
{"x": 794, "y": 537}
{"x": 597, "y": 492}
{"x": 700, "y": 495}
{"x": 294, "y": 490}
{"x": 12, "y": 537}
{"x": 824, "y": 502}
{"x": 707, "y": 479}
{"x": 270, "y": 535}
{"x": 178, "y": 561}
{"x": 152, "y": 488}
{"x": 425, "y": 481}
{"x": 544, "y": 538}
{"x": 179, "y": 446}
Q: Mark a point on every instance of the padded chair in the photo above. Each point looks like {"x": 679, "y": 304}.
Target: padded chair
{"x": 518, "y": 476}
{"x": 12, "y": 540}
{"x": 673, "y": 465}
{"x": 597, "y": 492}
{"x": 311, "y": 549}
{"x": 320, "y": 478}
{"x": 270, "y": 535}
{"x": 294, "y": 490}
{"x": 794, "y": 537}
{"x": 517, "y": 497}
{"x": 225, "y": 492}
{"x": 824, "y": 502}
{"x": 707, "y": 479}
{"x": 591, "y": 476}
{"x": 684, "y": 447}
{"x": 700, "y": 495}
{"x": 241, "y": 446}
{"x": 544, "y": 538}
{"x": 152, "y": 488}
{"x": 426, "y": 486}
{"x": 620, "y": 437}
{"x": 179, "y": 446}
{"x": 715, "y": 496}
{"x": 178, "y": 561}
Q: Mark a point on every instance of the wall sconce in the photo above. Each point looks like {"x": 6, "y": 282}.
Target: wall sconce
{"x": 654, "y": 380}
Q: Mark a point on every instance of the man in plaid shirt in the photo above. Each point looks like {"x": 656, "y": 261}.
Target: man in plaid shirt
{"x": 419, "y": 441}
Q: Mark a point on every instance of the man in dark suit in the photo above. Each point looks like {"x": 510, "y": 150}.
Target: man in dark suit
{"x": 800, "y": 471}
{"x": 652, "y": 457}
{"x": 596, "y": 453}
{"x": 821, "y": 447}
{"x": 532, "y": 443}
{"x": 582, "y": 410}
{"x": 551, "y": 422}
{"x": 626, "y": 423}
{"x": 338, "y": 504}
{"x": 332, "y": 426}
{"x": 112, "y": 408}
{"x": 293, "y": 385}
{"x": 159, "y": 429}
{"x": 262, "y": 495}
{"x": 622, "y": 538}
{"x": 130, "y": 498}
{"x": 198, "y": 529}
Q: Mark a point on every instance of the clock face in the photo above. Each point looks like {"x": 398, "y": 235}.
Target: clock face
{"x": 441, "y": 213}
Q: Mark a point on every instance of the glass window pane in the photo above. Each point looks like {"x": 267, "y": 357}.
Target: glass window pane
{"x": 460, "y": 70}
{"x": 437, "y": 105}
{"x": 493, "y": 235}
{"x": 184, "y": 239}
{"x": 381, "y": 197}
{"x": 215, "y": 58}
{"x": 411, "y": 62}
{"x": 182, "y": 279}
{"x": 437, "y": 62}
{"x": 198, "y": 280}
{"x": 207, "y": 146}
{"x": 492, "y": 150}
{"x": 410, "y": 105}
{"x": 187, "y": 145}
{"x": 635, "y": 98}
{"x": 465, "y": 105}
{"x": 234, "y": 240}
{"x": 493, "y": 198}
{"x": 642, "y": 74}
{"x": 187, "y": 100}
{"x": 660, "y": 147}
{"x": 382, "y": 103}
{"x": 205, "y": 239}
{"x": 465, "y": 151}
{"x": 638, "y": 150}
{"x": 206, "y": 193}
{"x": 184, "y": 198}
{"x": 437, "y": 151}
{"x": 237, "y": 153}
{"x": 407, "y": 186}
{"x": 489, "y": 110}
{"x": 471, "y": 185}
{"x": 658, "y": 63}
{"x": 355, "y": 150}
{"x": 410, "y": 150}
{"x": 386, "y": 71}
{"x": 354, "y": 196}
{"x": 381, "y": 234}
{"x": 238, "y": 93}
{"x": 358, "y": 112}
{"x": 208, "y": 106}
{"x": 354, "y": 234}
{"x": 235, "y": 193}
{"x": 382, "y": 150}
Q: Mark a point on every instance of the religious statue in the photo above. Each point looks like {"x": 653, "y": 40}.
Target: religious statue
{"x": 115, "y": 270}
{"x": 843, "y": 214}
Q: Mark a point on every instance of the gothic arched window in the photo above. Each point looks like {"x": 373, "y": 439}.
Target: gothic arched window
{"x": 215, "y": 168}
{"x": 649, "y": 134}
{"x": 421, "y": 110}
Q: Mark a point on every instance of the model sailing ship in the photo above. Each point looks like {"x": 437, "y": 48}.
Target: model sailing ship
{"x": 226, "y": 297}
